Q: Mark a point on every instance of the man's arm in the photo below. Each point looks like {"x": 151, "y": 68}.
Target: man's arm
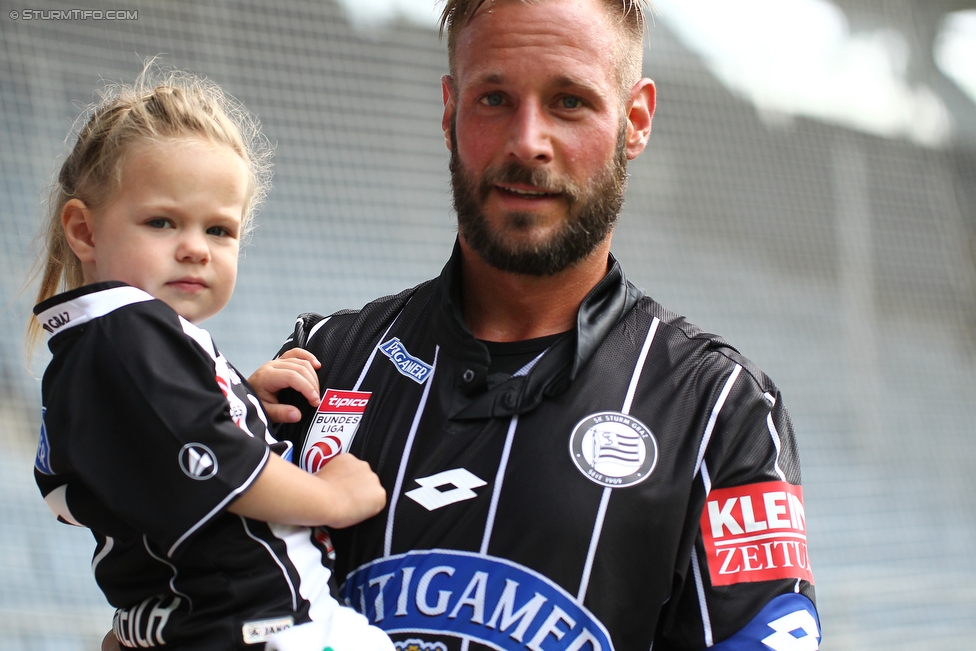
{"x": 748, "y": 575}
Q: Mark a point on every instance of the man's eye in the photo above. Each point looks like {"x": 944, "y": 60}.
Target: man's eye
{"x": 493, "y": 99}
{"x": 571, "y": 102}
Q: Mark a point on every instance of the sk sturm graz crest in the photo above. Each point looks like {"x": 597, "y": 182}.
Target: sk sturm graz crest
{"x": 613, "y": 449}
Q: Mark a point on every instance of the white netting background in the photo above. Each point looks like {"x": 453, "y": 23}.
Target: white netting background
{"x": 842, "y": 263}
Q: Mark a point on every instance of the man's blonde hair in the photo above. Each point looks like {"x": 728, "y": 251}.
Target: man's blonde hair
{"x": 630, "y": 17}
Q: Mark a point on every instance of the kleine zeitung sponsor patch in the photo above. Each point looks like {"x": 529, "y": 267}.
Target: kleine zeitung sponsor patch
{"x": 756, "y": 532}
{"x": 333, "y": 427}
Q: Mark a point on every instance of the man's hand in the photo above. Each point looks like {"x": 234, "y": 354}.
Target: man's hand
{"x": 359, "y": 494}
{"x": 293, "y": 370}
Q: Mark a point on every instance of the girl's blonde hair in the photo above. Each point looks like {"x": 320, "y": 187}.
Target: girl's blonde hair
{"x": 159, "y": 105}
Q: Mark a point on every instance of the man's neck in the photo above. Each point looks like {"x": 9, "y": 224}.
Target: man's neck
{"x": 504, "y": 306}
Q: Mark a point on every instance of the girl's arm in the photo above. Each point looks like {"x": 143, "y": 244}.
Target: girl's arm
{"x": 344, "y": 492}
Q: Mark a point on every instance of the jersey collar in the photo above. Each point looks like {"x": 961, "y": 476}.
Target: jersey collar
{"x": 75, "y": 307}
{"x": 599, "y": 312}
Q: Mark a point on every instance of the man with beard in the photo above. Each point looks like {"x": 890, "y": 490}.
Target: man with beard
{"x": 569, "y": 465}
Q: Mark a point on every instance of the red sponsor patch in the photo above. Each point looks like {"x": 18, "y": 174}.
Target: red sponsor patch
{"x": 756, "y": 532}
{"x": 353, "y": 402}
{"x": 333, "y": 427}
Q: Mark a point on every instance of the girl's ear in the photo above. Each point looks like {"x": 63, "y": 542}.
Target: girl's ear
{"x": 78, "y": 223}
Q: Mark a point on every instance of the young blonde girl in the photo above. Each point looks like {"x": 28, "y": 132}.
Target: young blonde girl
{"x": 149, "y": 436}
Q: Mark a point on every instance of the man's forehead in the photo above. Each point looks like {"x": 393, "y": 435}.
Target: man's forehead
{"x": 555, "y": 11}
{"x": 513, "y": 24}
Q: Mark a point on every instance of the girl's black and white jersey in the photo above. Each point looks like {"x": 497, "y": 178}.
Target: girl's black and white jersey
{"x": 147, "y": 435}
{"x": 636, "y": 484}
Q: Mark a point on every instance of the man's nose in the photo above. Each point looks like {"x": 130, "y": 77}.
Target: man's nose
{"x": 530, "y": 138}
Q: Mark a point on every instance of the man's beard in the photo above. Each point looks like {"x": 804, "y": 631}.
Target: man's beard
{"x": 591, "y": 213}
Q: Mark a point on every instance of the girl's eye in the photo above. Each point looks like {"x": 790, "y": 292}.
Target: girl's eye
{"x": 159, "y": 222}
{"x": 493, "y": 99}
{"x": 218, "y": 231}
{"x": 571, "y": 102}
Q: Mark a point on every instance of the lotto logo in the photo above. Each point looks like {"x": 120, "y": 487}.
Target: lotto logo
{"x": 756, "y": 532}
{"x": 786, "y": 623}
{"x": 786, "y": 638}
{"x": 433, "y": 495}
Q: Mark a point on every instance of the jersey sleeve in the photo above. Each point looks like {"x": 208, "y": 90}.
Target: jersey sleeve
{"x": 748, "y": 582}
{"x": 147, "y": 426}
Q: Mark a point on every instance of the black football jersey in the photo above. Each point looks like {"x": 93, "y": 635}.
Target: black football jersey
{"x": 634, "y": 485}
{"x": 147, "y": 436}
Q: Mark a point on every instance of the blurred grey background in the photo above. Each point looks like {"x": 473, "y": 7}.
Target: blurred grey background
{"x": 809, "y": 193}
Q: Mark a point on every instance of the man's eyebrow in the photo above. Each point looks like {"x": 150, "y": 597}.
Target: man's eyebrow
{"x": 562, "y": 81}
{"x": 566, "y": 81}
{"x": 489, "y": 78}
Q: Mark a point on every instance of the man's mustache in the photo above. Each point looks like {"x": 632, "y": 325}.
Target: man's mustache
{"x": 517, "y": 174}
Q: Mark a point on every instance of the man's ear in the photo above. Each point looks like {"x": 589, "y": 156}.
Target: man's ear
{"x": 640, "y": 112}
{"x": 78, "y": 224}
{"x": 447, "y": 90}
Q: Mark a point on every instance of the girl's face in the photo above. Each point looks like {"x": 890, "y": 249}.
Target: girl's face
{"x": 174, "y": 227}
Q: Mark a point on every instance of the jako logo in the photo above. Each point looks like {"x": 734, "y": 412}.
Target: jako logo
{"x": 198, "y": 461}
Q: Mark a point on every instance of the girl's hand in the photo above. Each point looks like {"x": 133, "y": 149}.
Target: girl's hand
{"x": 295, "y": 369}
{"x": 359, "y": 494}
